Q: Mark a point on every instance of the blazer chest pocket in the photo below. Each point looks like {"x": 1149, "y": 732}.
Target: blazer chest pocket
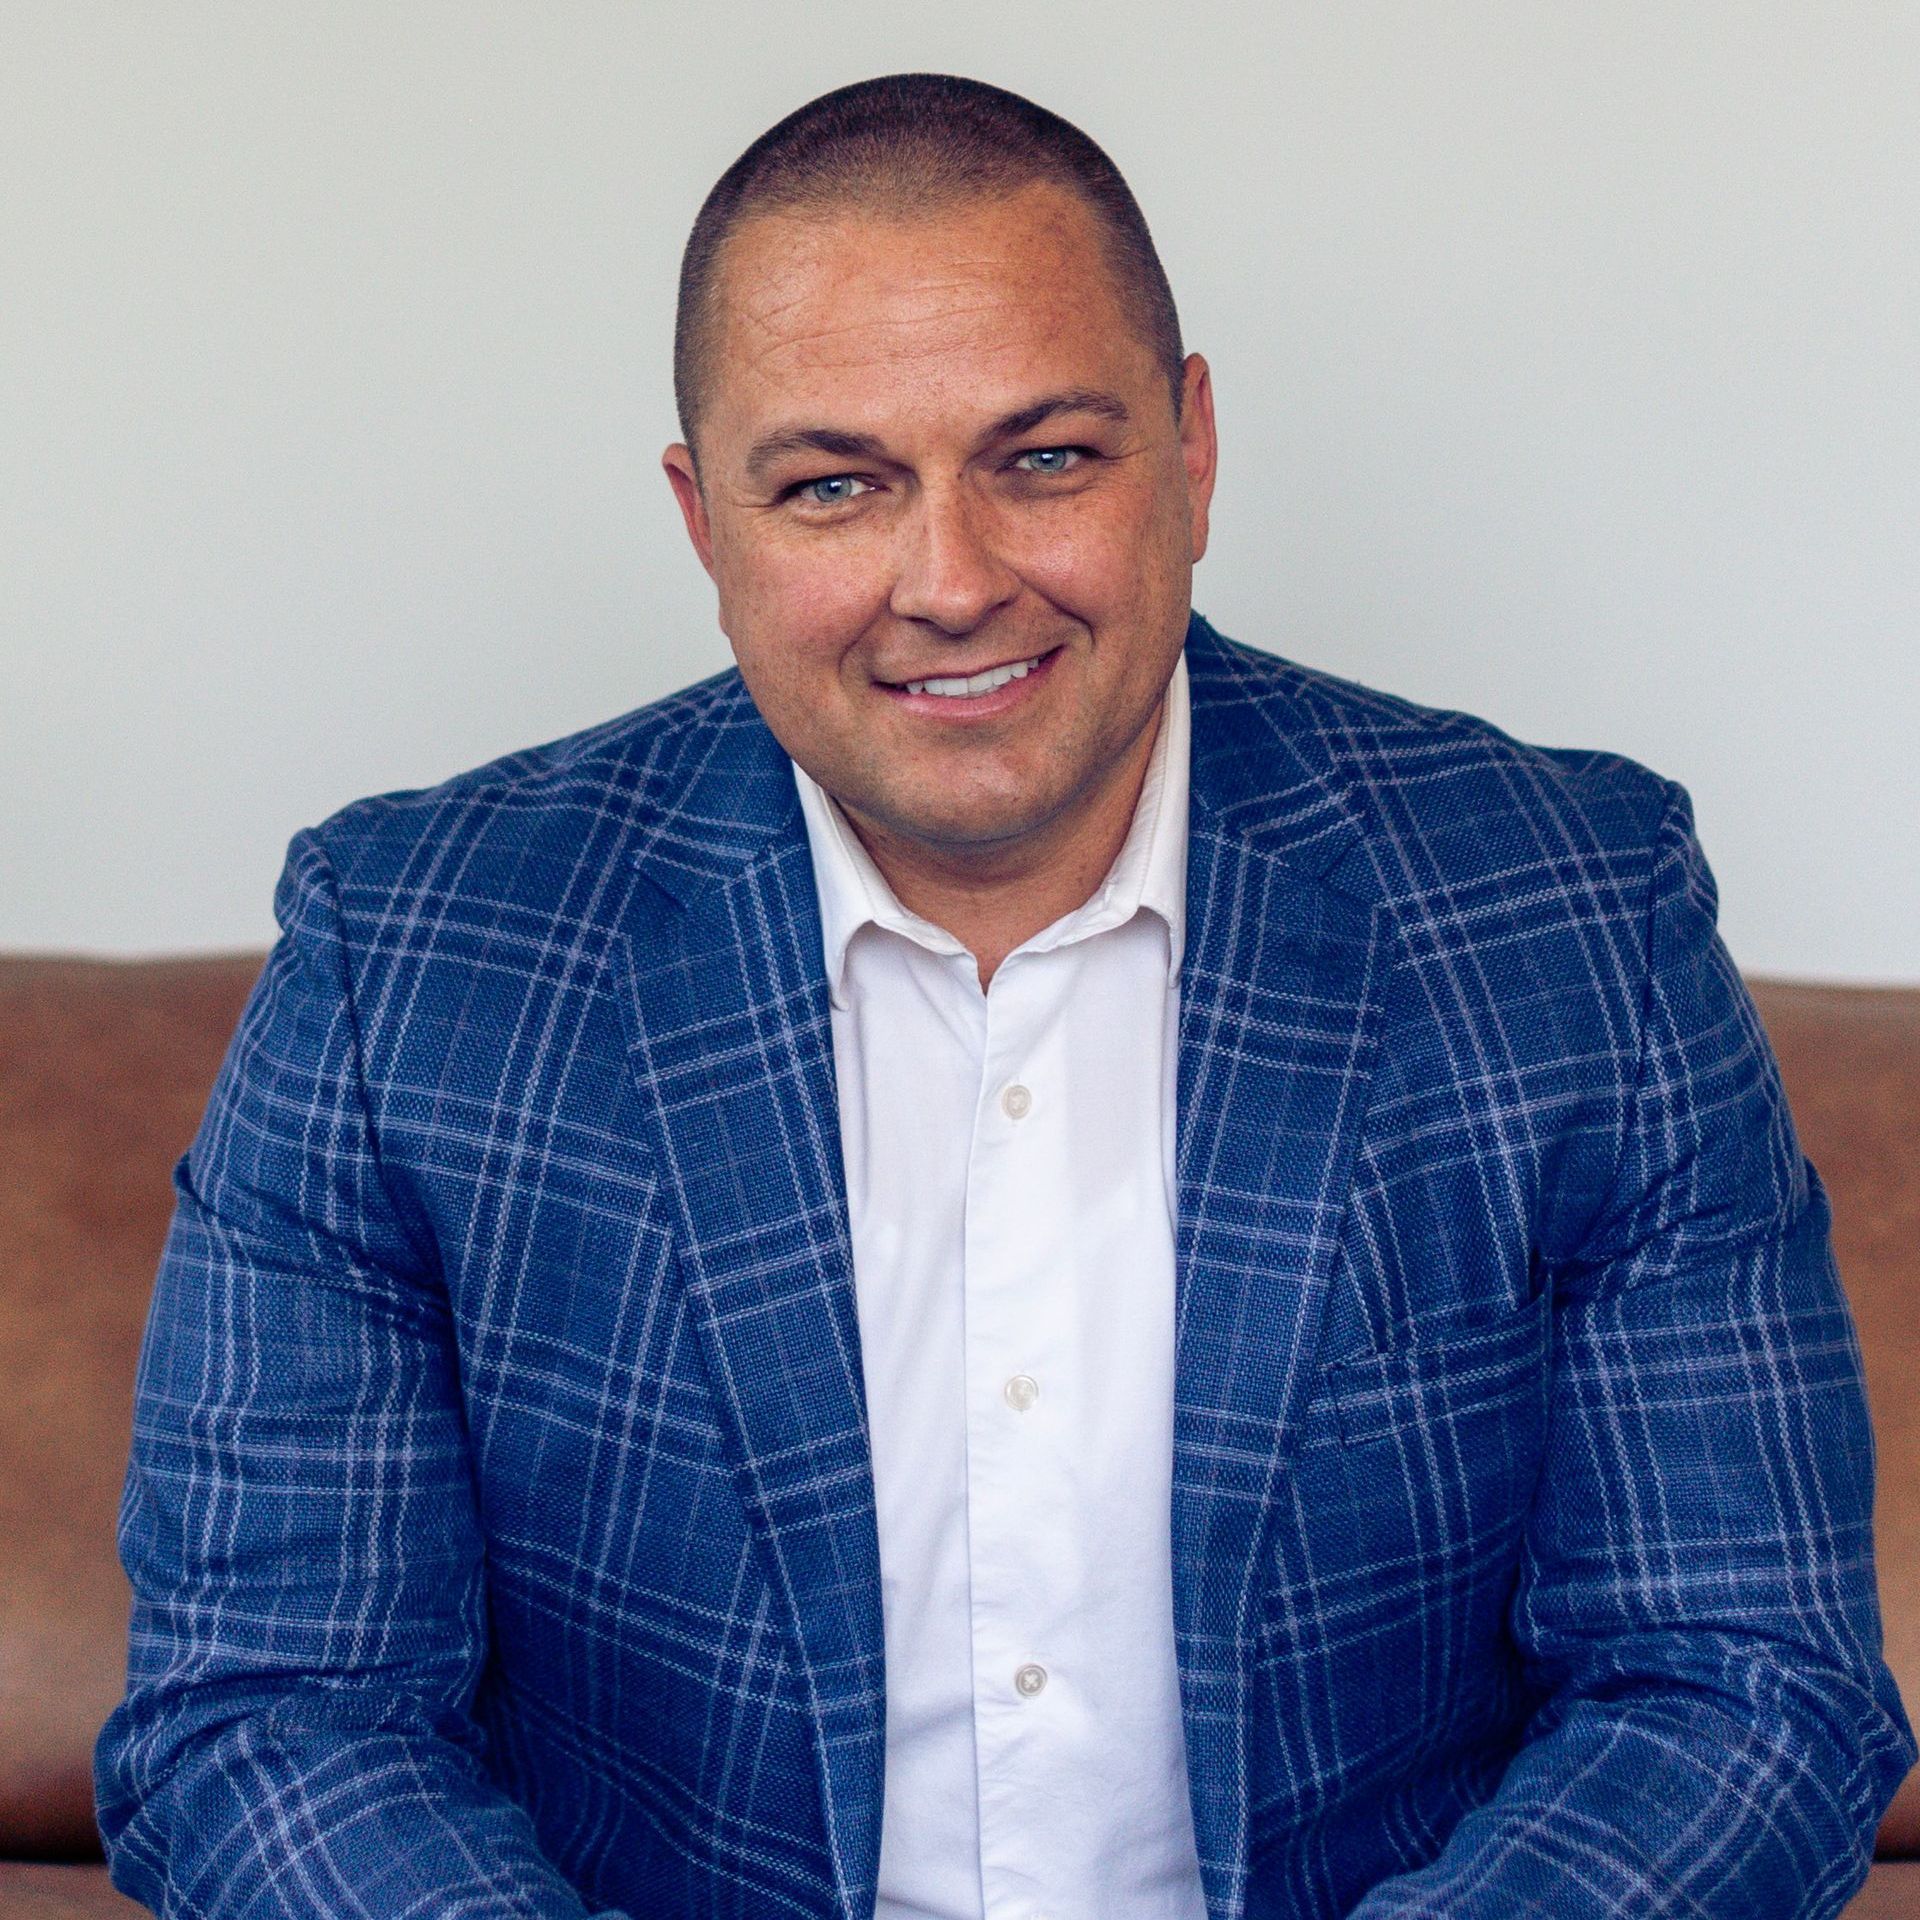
{"x": 1444, "y": 1378}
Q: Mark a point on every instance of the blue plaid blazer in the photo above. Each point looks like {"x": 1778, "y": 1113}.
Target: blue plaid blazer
{"x": 500, "y": 1515}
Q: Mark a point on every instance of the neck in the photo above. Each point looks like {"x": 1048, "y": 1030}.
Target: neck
{"x": 991, "y": 899}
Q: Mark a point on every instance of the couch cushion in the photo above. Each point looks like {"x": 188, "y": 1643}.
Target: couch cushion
{"x": 1851, "y": 1060}
{"x": 62, "y": 1893}
{"x": 104, "y": 1068}
{"x": 1892, "y": 1892}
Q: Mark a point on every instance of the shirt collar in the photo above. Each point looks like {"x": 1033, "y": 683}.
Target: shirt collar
{"x": 1150, "y": 870}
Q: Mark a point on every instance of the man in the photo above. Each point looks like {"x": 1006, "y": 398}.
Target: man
{"x": 1017, "y": 1262}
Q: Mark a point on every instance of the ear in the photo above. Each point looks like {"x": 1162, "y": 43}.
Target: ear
{"x": 684, "y": 477}
{"x": 1199, "y": 447}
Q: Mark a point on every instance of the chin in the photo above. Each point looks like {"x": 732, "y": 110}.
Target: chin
{"x": 981, "y": 826}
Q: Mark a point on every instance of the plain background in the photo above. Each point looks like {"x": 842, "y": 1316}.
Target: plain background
{"x": 1568, "y": 364}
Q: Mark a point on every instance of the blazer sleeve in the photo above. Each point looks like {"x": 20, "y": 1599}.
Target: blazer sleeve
{"x": 1696, "y": 1605}
{"x": 299, "y": 1522}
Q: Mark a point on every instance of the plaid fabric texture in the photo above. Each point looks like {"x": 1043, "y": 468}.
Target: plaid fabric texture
{"x": 500, "y": 1515}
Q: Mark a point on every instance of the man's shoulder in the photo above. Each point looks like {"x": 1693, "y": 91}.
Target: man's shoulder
{"x": 1431, "y": 792}
{"x": 540, "y": 804}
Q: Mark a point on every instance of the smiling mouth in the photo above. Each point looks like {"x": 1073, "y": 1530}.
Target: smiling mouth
{"x": 971, "y": 686}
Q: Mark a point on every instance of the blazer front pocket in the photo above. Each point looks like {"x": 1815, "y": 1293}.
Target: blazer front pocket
{"x": 1445, "y": 1378}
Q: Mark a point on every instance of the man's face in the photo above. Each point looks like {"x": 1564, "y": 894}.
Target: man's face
{"x": 935, "y": 449}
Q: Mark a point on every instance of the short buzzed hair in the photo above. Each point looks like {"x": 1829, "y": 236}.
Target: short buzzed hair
{"x": 909, "y": 144}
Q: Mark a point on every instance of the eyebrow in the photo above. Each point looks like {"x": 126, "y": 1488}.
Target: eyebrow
{"x": 774, "y": 447}
{"x": 1109, "y": 406}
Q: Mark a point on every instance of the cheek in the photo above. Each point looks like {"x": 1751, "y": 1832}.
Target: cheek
{"x": 1100, "y": 556}
{"x": 791, "y": 608}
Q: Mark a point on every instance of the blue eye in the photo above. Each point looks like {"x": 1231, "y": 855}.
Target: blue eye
{"x": 1050, "y": 459}
{"x": 830, "y": 490}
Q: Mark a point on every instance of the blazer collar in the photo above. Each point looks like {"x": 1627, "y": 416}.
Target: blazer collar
{"x": 1259, "y": 769}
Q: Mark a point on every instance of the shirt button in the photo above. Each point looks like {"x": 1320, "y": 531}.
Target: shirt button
{"x": 1028, "y": 1680}
{"x": 1016, "y": 1102}
{"x": 1021, "y": 1392}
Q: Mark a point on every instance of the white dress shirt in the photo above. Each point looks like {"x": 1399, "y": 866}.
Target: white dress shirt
{"x": 1009, "y": 1167}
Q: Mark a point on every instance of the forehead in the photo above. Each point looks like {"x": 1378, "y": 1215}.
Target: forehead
{"x": 972, "y": 304}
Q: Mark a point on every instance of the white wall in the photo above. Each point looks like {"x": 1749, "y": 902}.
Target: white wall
{"x": 1568, "y": 359}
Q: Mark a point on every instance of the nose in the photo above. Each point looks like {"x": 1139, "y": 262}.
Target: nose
{"x": 949, "y": 574}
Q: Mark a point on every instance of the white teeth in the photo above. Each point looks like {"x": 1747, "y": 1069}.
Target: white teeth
{"x": 959, "y": 688}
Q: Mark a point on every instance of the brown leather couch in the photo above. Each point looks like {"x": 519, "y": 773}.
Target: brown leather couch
{"x": 104, "y": 1067}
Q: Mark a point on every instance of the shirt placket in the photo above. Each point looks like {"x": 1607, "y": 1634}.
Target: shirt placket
{"x": 1020, "y": 1393}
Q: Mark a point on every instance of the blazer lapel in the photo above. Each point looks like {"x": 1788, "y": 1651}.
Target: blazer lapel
{"x": 731, "y": 1045}
{"x": 1279, "y": 1020}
